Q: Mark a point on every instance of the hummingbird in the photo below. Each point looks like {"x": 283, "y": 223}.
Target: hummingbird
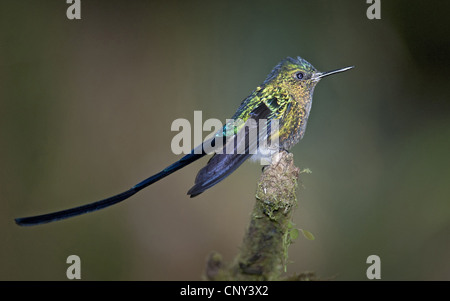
{"x": 284, "y": 99}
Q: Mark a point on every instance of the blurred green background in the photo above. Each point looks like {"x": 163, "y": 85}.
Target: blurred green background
{"x": 86, "y": 108}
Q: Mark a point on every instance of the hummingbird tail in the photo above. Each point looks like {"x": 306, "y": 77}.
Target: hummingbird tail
{"x": 59, "y": 215}
{"x": 63, "y": 214}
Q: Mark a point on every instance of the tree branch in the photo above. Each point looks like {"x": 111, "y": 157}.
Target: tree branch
{"x": 264, "y": 251}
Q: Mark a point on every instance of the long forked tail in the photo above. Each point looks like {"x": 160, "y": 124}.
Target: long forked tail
{"x": 59, "y": 215}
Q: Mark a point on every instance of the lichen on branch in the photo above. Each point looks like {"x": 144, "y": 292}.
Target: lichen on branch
{"x": 263, "y": 253}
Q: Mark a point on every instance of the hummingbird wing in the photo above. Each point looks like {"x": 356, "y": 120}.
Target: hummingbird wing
{"x": 223, "y": 164}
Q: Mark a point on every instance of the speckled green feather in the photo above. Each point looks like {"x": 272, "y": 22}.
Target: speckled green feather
{"x": 287, "y": 96}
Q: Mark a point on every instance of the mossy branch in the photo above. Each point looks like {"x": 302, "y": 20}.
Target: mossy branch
{"x": 263, "y": 254}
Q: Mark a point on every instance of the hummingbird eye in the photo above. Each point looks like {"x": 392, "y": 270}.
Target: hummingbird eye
{"x": 299, "y": 75}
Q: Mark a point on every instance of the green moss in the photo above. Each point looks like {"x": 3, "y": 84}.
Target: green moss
{"x": 263, "y": 254}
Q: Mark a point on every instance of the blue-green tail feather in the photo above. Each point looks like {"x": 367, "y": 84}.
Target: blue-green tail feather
{"x": 59, "y": 215}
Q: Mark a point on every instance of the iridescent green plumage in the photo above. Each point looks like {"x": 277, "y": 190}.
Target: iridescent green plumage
{"x": 285, "y": 96}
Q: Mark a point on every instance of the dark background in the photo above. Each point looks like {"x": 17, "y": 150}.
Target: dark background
{"x": 86, "y": 108}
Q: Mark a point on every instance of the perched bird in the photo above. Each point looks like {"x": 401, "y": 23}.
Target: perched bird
{"x": 283, "y": 99}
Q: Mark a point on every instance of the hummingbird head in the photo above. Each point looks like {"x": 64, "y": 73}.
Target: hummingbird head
{"x": 298, "y": 76}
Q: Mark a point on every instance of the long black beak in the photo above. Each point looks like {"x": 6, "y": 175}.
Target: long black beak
{"x": 323, "y": 74}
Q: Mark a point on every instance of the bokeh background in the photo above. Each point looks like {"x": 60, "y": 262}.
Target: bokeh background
{"x": 86, "y": 108}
